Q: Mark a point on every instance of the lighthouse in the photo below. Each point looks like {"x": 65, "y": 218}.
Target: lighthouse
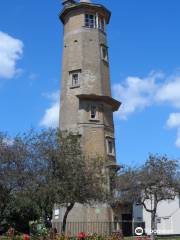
{"x": 86, "y": 103}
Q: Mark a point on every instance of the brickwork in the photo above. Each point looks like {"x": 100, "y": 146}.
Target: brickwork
{"x": 83, "y": 53}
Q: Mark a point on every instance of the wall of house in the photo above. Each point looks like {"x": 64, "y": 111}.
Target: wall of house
{"x": 168, "y": 217}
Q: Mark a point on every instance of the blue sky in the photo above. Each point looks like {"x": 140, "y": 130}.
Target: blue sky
{"x": 144, "y": 54}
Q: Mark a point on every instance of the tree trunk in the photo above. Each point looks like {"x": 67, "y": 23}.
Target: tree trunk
{"x": 153, "y": 225}
{"x": 68, "y": 209}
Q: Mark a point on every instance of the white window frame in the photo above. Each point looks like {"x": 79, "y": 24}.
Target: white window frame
{"x": 56, "y": 214}
{"x": 110, "y": 140}
{"x": 94, "y": 20}
{"x": 73, "y": 83}
{"x": 101, "y": 23}
{"x": 90, "y": 20}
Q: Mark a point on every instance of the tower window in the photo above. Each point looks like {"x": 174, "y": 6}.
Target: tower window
{"x": 95, "y": 21}
{"x": 104, "y": 53}
{"x": 90, "y": 21}
{"x": 110, "y": 146}
{"x": 93, "y": 112}
{"x": 75, "y": 78}
{"x": 101, "y": 22}
{"x": 56, "y": 213}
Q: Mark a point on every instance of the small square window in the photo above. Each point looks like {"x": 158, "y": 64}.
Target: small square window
{"x": 104, "y": 53}
{"x": 90, "y": 21}
{"x": 75, "y": 78}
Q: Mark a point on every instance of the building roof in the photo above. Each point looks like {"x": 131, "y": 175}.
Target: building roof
{"x": 109, "y": 100}
{"x": 79, "y": 5}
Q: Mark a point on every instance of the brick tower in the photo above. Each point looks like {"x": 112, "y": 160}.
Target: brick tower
{"x": 86, "y": 104}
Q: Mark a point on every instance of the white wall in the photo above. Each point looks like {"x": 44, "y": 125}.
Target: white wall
{"x": 168, "y": 217}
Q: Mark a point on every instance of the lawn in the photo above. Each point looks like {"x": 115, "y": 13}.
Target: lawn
{"x": 169, "y": 238}
{"x": 158, "y": 238}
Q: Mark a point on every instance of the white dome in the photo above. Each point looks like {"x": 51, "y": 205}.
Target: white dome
{"x": 87, "y": 1}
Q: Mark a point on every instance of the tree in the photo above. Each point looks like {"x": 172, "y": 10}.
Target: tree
{"x": 4, "y": 189}
{"x": 17, "y": 182}
{"x": 155, "y": 181}
{"x": 39, "y": 169}
{"x": 77, "y": 179}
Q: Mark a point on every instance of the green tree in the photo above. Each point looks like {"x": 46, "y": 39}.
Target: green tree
{"x": 17, "y": 175}
{"x": 77, "y": 179}
{"x": 39, "y": 169}
{"x": 157, "y": 180}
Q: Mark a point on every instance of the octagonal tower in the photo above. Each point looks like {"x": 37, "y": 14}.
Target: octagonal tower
{"x": 86, "y": 104}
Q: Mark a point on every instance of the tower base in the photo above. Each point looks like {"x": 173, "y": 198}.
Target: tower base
{"x": 84, "y": 218}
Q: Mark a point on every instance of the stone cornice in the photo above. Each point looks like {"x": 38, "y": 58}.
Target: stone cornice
{"x": 109, "y": 100}
{"x": 85, "y": 5}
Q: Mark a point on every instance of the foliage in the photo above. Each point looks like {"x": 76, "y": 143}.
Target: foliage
{"x": 38, "y": 230}
{"x": 84, "y": 236}
{"x": 39, "y": 169}
{"x": 16, "y": 237}
{"x": 155, "y": 181}
{"x": 77, "y": 179}
{"x": 17, "y": 177}
{"x": 96, "y": 237}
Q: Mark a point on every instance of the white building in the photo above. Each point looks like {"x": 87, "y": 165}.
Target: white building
{"x": 168, "y": 217}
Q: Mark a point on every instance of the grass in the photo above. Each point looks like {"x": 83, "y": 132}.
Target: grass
{"x": 158, "y": 238}
{"x": 168, "y": 238}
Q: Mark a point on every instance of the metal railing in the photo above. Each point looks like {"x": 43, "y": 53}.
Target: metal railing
{"x": 125, "y": 228}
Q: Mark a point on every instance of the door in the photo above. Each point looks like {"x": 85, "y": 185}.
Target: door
{"x": 127, "y": 224}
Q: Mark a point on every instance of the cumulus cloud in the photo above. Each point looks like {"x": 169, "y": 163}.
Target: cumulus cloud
{"x": 8, "y": 141}
{"x": 11, "y": 50}
{"x": 51, "y": 115}
{"x": 178, "y": 138}
{"x": 170, "y": 92}
{"x": 174, "y": 122}
{"x": 137, "y": 93}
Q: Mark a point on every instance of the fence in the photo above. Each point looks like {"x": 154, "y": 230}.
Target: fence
{"x": 127, "y": 228}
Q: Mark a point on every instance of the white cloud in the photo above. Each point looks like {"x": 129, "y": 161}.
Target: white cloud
{"x": 174, "y": 122}
{"x": 11, "y": 50}
{"x": 170, "y": 92}
{"x": 51, "y": 115}
{"x": 178, "y": 138}
{"x": 8, "y": 141}
{"x": 136, "y": 93}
